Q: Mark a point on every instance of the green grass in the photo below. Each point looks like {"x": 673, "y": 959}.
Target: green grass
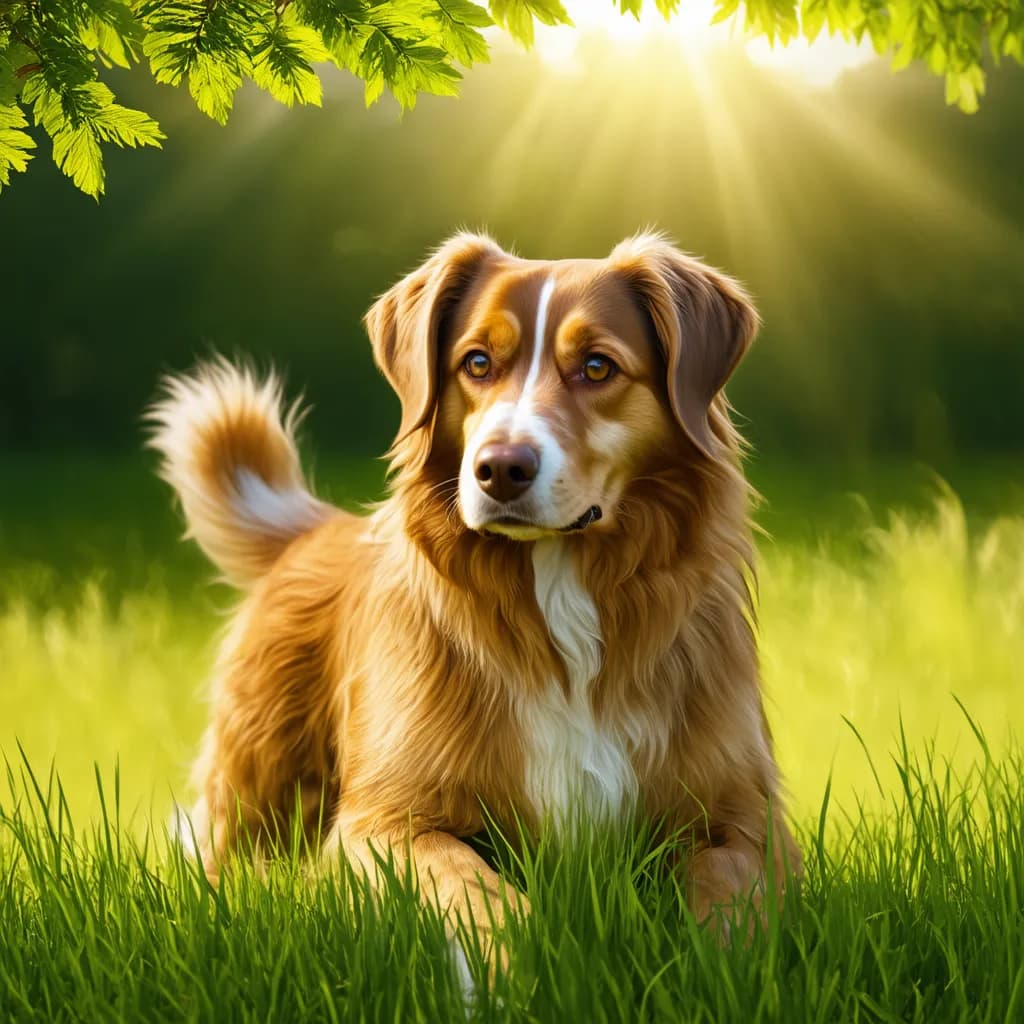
{"x": 915, "y": 914}
{"x": 874, "y": 623}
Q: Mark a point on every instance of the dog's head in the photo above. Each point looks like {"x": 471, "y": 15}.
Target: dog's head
{"x": 539, "y": 390}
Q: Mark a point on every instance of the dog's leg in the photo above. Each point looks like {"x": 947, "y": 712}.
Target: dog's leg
{"x": 241, "y": 802}
{"x": 719, "y": 878}
{"x": 722, "y": 876}
{"x": 450, "y": 875}
{"x": 221, "y": 813}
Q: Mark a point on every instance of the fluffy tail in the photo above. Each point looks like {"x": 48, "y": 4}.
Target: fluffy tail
{"x": 229, "y": 452}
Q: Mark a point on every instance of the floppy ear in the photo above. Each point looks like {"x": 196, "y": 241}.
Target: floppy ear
{"x": 704, "y": 320}
{"x": 404, "y": 324}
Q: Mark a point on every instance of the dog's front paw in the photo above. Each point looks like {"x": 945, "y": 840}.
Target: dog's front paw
{"x": 726, "y": 893}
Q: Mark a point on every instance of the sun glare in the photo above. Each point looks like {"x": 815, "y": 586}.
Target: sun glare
{"x": 816, "y": 64}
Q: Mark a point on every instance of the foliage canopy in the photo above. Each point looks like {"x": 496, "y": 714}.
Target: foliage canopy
{"x": 52, "y": 53}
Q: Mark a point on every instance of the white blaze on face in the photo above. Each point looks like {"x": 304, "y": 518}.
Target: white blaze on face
{"x": 524, "y": 407}
{"x": 518, "y": 421}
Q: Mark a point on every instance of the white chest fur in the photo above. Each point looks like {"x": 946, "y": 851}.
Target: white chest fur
{"x": 575, "y": 766}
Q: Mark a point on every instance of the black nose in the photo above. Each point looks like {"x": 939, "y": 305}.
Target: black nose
{"x": 505, "y": 471}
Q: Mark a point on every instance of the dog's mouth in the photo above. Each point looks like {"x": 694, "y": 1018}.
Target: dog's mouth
{"x": 592, "y": 515}
{"x": 517, "y": 526}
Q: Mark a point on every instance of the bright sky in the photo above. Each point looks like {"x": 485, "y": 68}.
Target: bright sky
{"x": 819, "y": 64}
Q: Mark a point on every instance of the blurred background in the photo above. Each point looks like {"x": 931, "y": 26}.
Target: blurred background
{"x": 881, "y": 232}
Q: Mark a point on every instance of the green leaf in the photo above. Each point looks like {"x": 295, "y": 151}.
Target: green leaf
{"x": 13, "y": 62}
{"x": 181, "y": 30}
{"x": 82, "y": 117}
{"x": 466, "y": 13}
{"x": 281, "y": 56}
{"x": 812, "y": 18}
{"x": 126, "y": 127}
{"x": 346, "y": 48}
{"x": 517, "y": 16}
{"x": 76, "y": 151}
{"x": 406, "y": 68}
{"x": 878, "y": 23}
{"x": 998, "y": 28}
{"x": 105, "y": 40}
{"x": 424, "y": 69}
{"x": 339, "y": 23}
{"x": 724, "y": 10}
{"x": 902, "y": 56}
{"x": 456, "y": 23}
{"x": 14, "y": 143}
{"x": 47, "y": 108}
{"x": 67, "y": 67}
{"x": 937, "y": 58}
{"x": 213, "y": 84}
{"x": 111, "y": 29}
{"x": 964, "y": 87}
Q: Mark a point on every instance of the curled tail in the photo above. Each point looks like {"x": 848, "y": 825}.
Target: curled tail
{"x": 229, "y": 451}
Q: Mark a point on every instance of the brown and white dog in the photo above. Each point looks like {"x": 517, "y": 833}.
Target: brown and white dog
{"x": 550, "y": 616}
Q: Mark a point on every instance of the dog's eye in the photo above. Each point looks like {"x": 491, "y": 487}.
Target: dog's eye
{"x": 598, "y": 369}
{"x": 477, "y": 364}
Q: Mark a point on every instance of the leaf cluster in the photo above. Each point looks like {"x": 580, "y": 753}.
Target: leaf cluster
{"x": 951, "y": 37}
{"x": 52, "y": 53}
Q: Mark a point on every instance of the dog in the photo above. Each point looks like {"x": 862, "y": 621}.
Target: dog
{"x": 548, "y": 620}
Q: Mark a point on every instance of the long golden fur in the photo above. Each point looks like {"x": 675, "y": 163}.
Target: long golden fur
{"x": 409, "y": 669}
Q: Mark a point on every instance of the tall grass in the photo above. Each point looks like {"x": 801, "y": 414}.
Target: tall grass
{"x": 912, "y": 913}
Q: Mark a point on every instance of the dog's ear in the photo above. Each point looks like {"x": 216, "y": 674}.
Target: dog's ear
{"x": 704, "y": 321}
{"x": 405, "y": 323}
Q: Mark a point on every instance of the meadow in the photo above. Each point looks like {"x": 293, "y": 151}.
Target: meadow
{"x": 891, "y": 617}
